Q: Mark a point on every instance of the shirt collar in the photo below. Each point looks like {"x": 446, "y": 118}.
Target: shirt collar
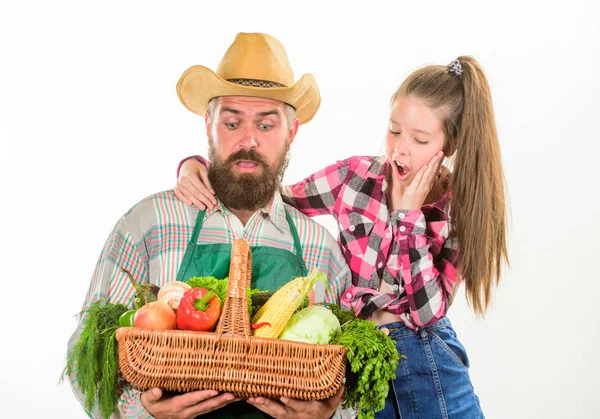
{"x": 379, "y": 169}
{"x": 275, "y": 210}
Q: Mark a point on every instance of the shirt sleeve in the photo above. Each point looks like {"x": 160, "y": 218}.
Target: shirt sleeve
{"x": 344, "y": 413}
{"x": 109, "y": 282}
{"x": 200, "y": 159}
{"x": 338, "y": 274}
{"x": 429, "y": 260}
{"x": 316, "y": 194}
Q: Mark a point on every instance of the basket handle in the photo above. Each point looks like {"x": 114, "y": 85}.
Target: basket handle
{"x": 234, "y": 317}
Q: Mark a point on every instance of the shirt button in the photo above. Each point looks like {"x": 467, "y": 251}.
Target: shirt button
{"x": 385, "y": 330}
{"x": 427, "y": 278}
{"x": 348, "y": 295}
{"x": 402, "y": 228}
{"x": 352, "y": 228}
{"x": 388, "y": 234}
{"x": 401, "y": 215}
{"x": 380, "y": 264}
{"x": 395, "y": 287}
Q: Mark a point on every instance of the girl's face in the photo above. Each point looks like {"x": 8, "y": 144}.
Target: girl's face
{"x": 414, "y": 136}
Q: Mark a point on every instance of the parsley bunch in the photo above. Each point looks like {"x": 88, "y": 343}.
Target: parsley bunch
{"x": 372, "y": 358}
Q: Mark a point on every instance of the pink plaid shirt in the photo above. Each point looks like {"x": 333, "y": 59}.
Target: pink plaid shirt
{"x": 409, "y": 250}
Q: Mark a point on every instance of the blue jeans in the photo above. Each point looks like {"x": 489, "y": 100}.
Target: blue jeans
{"x": 433, "y": 380}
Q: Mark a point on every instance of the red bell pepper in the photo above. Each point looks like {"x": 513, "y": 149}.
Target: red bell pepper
{"x": 199, "y": 309}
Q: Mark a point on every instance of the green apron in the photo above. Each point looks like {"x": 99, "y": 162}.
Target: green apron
{"x": 271, "y": 269}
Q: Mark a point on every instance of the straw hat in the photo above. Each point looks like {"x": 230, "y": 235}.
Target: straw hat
{"x": 254, "y": 65}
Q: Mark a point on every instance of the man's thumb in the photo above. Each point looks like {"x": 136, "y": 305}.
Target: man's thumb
{"x": 155, "y": 394}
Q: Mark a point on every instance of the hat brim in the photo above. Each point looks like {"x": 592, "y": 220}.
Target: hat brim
{"x": 198, "y": 85}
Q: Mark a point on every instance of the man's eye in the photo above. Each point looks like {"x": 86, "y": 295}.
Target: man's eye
{"x": 231, "y": 125}
{"x": 265, "y": 127}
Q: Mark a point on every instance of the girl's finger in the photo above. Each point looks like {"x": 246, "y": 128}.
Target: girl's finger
{"x": 206, "y": 183}
{"x": 198, "y": 192}
{"x": 430, "y": 174}
{"x": 195, "y": 185}
{"x": 181, "y": 197}
{"x": 191, "y": 198}
{"x": 416, "y": 182}
{"x": 204, "y": 176}
{"x": 199, "y": 185}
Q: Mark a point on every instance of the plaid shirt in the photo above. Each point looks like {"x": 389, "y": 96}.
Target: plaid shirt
{"x": 409, "y": 250}
{"x": 150, "y": 241}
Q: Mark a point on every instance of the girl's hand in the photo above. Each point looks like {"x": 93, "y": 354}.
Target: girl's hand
{"x": 414, "y": 196}
{"x": 193, "y": 187}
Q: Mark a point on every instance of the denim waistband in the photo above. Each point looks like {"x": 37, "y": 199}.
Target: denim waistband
{"x": 401, "y": 327}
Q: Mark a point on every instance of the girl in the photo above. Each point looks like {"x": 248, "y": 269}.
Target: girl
{"x": 413, "y": 230}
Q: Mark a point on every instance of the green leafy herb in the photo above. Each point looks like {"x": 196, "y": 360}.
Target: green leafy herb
{"x": 94, "y": 357}
{"x": 372, "y": 358}
{"x": 344, "y": 316}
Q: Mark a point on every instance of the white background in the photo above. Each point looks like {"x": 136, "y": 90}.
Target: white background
{"x": 90, "y": 124}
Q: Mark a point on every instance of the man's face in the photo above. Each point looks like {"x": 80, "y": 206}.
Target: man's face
{"x": 248, "y": 143}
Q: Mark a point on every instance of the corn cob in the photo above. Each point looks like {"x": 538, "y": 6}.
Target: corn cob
{"x": 279, "y": 308}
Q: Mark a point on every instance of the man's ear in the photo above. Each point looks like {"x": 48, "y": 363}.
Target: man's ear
{"x": 294, "y": 129}
{"x": 207, "y": 123}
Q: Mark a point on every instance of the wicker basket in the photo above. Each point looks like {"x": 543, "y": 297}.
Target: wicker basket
{"x": 230, "y": 359}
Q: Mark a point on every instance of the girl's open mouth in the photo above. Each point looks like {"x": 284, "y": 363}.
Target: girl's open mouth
{"x": 402, "y": 170}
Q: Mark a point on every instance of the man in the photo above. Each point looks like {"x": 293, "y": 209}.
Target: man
{"x": 252, "y": 110}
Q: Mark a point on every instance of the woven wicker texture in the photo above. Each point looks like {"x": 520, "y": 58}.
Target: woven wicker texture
{"x": 230, "y": 359}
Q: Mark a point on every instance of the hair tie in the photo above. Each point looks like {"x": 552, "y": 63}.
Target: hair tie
{"x": 455, "y": 67}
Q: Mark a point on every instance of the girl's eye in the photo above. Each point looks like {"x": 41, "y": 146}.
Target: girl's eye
{"x": 265, "y": 127}
{"x": 421, "y": 142}
{"x": 231, "y": 125}
{"x": 396, "y": 133}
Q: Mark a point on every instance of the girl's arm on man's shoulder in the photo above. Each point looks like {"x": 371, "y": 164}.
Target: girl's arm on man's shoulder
{"x": 318, "y": 193}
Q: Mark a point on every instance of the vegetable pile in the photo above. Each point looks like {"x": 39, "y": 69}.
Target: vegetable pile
{"x": 196, "y": 305}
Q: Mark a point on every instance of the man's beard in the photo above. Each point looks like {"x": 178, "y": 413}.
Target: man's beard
{"x": 245, "y": 191}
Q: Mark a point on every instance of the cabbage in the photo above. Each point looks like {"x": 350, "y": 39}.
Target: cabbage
{"x": 314, "y": 324}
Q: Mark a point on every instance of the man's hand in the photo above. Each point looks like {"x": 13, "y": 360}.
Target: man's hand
{"x": 414, "y": 196}
{"x": 193, "y": 187}
{"x": 184, "y": 406}
{"x": 298, "y": 409}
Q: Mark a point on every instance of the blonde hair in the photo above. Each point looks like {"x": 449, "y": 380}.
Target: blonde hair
{"x": 477, "y": 204}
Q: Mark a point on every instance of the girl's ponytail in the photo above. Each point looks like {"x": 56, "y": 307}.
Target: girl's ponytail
{"x": 461, "y": 93}
{"x": 477, "y": 185}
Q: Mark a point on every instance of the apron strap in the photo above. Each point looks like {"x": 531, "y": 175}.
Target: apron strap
{"x": 296, "y": 241}
{"x": 197, "y": 227}
{"x": 189, "y": 250}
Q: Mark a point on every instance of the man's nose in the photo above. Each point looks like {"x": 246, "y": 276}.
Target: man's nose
{"x": 248, "y": 140}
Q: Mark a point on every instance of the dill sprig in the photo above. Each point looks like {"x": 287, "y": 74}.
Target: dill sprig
{"x": 94, "y": 357}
